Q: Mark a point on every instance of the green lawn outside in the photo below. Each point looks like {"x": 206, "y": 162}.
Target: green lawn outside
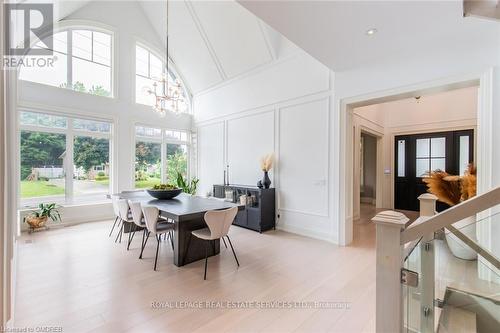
{"x": 40, "y": 188}
{"x": 103, "y": 182}
{"x": 147, "y": 183}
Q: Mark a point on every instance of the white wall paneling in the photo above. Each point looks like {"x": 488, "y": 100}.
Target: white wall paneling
{"x": 210, "y": 156}
{"x": 248, "y": 139}
{"x": 283, "y": 108}
{"x": 303, "y": 158}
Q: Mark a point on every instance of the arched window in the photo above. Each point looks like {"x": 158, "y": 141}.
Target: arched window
{"x": 82, "y": 62}
{"x": 149, "y": 69}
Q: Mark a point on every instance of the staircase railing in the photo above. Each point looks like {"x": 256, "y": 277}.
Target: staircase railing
{"x": 397, "y": 238}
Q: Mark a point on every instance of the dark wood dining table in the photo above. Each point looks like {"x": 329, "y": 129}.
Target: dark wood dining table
{"x": 187, "y": 212}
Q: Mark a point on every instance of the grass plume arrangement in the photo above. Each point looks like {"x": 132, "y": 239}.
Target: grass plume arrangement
{"x": 266, "y": 162}
{"x": 452, "y": 189}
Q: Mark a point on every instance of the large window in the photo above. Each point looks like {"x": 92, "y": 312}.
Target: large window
{"x": 149, "y": 70}
{"x": 63, "y": 159}
{"x": 159, "y": 156}
{"x": 82, "y": 62}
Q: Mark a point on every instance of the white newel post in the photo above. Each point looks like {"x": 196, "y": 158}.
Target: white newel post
{"x": 427, "y": 204}
{"x": 389, "y": 303}
{"x": 427, "y": 274}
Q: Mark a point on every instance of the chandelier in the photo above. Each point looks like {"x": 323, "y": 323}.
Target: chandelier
{"x": 168, "y": 95}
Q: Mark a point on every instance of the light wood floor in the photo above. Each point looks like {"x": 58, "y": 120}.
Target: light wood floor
{"x": 78, "y": 278}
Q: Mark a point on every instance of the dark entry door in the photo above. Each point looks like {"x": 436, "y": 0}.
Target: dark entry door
{"x": 417, "y": 154}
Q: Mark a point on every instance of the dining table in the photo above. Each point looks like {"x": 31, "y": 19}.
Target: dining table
{"x": 187, "y": 213}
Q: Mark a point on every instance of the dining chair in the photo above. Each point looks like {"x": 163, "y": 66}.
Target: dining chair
{"x": 138, "y": 218}
{"x": 116, "y": 211}
{"x": 125, "y": 216}
{"x": 218, "y": 222}
{"x": 155, "y": 227}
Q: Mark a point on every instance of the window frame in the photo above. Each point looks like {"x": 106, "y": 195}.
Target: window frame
{"x": 71, "y": 134}
{"x": 163, "y": 141}
{"x": 68, "y": 27}
{"x": 172, "y": 72}
{"x": 429, "y": 158}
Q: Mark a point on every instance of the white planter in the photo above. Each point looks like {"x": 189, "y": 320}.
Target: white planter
{"x": 459, "y": 249}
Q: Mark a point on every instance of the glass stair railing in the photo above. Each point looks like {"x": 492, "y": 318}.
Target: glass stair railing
{"x": 466, "y": 286}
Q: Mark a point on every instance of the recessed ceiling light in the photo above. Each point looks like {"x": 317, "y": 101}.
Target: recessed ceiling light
{"x": 371, "y": 32}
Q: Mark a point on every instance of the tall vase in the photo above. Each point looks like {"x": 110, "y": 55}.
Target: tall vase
{"x": 266, "y": 181}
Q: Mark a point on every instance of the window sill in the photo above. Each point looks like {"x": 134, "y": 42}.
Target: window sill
{"x": 33, "y": 203}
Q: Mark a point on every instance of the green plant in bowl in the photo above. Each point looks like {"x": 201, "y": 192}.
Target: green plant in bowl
{"x": 164, "y": 187}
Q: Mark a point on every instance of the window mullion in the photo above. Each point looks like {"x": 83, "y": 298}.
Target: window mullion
{"x": 69, "y": 167}
{"x": 163, "y": 159}
{"x": 149, "y": 65}
{"x": 92, "y": 46}
{"x": 69, "y": 59}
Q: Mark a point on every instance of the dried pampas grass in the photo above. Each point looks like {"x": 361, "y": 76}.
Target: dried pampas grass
{"x": 266, "y": 162}
{"x": 469, "y": 182}
{"x": 452, "y": 189}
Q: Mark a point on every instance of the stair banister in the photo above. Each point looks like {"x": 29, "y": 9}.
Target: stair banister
{"x": 427, "y": 266}
{"x": 389, "y": 304}
{"x": 454, "y": 214}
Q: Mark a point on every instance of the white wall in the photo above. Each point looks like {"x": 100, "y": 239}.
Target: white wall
{"x": 282, "y": 108}
{"x": 129, "y": 25}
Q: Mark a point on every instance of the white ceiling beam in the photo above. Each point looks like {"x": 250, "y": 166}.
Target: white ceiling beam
{"x": 205, "y": 38}
{"x": 265, "y": 35}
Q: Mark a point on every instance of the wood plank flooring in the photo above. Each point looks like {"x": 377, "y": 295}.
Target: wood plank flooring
{"x": 78, "y": 278}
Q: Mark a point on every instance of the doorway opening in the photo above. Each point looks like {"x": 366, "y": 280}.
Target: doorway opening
{"x": 416, "y": 133}
{"x": 366, "y": 168}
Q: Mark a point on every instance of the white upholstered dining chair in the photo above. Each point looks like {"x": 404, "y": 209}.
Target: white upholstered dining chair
{"x": 156, "y": 228}
{"x": 218, "y": 222}
{"x": 116, "y": 211}
{"x": 125, "y": 216}
{"x": 138, "y": 218}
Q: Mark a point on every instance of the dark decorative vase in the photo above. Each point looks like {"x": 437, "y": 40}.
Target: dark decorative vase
{"x": 266, "y": 181}
{"x": 259, "y": 184}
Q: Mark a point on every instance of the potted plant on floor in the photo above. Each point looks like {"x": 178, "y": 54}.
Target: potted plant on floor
{"x": 452, "y": 190}
{"x": 38, "y": 218}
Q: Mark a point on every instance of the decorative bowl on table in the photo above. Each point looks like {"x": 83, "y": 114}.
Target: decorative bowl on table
{"x": 164, "y": 192}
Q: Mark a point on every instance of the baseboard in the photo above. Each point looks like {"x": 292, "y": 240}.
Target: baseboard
{"x": 307, "y": 233}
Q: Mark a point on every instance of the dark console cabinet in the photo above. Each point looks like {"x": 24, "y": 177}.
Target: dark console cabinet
{"x": 260, "y": 210}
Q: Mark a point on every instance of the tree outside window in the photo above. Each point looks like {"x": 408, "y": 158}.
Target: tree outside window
{"x": 47, "y": 167}
{"x": 159, "y": 156}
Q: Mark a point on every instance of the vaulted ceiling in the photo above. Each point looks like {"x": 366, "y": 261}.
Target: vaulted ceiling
{"x": 335, "y": 32}
{"x": 209, "y": 41}
{"x": 213, "y": 41}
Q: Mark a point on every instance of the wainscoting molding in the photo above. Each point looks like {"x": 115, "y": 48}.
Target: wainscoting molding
{"x": 315, "y": 224}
